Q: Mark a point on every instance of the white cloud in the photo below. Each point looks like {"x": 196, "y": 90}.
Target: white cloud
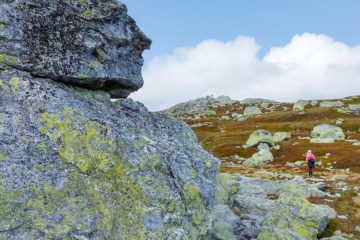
{"x": 309, "y": 67}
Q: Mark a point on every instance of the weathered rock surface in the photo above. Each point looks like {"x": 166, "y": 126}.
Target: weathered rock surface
{"x": 331, "y": 104}
{"x": 300, "y": 105}
{"x": 290, "y": 216}
{"x": 281, "y": 136}
{"x": 199, "y": 107}
{"x": 261, "y": 158}
{"x": 252, "y": 110}
{"x": 326, "y": 133}
{"x": 89, "y": 43}
{"x": 74, "y": 164}
{"x": 350, "y": 109}
{"x": 259, "y": 136}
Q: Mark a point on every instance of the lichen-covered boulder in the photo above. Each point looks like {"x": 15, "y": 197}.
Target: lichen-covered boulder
{"x": 260, "y": 158}
{"x": 89, "y": 43}
{"x": 327, "y": 133}
{"x": 225, "y": 222}
{"x": 252, "y": 110}
{"x": 281, "y": 136}
{"x": 295, "y": 218}
{"x": 259, "y": 136}
{"x": 75, "y": 165}
{"x": 300, "y": 105}
{"x": 286, "y": 215}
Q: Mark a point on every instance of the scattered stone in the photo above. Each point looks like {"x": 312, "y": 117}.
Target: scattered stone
{"x": 251, "y": 110}
{"x": 290, "y": 164}
{"x": 259, "y": 136}
{"x": 322, "y": 140}
{"x": 339, "y": 121}
{"x": 350, "y": 109}
{"x": 331, "y": 104}
{"x": 326, "y": 133}
{"x": 314, "y": 103}
{"x": 281, "y": 136}
{"x": 224, "y": 117}
{"x": 304, "y": 138}
{"x": 338, "y": 178}
{"x": 300, "y": 105}
{"x": 239, "y": 117}
{"x": 299, "y": 163}
{"x": 277, "y": 147}
{"x": 261, "y": 158}
{"x": 263, "y": 146}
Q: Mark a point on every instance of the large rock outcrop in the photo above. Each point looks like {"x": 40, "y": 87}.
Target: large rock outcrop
{"x": 73, "y": 164}
{"x": 89, "y": 43}
{"x": 270, "y": 209}
{"x": 259, "y": 136}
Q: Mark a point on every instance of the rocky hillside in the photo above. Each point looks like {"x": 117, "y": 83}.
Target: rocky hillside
{"x": 78, "y": 163}
{"x": 268, "y": 139}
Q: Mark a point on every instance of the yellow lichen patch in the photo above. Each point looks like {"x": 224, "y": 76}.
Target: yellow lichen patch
{"x": 12, "y": 210}
{"x": 14, "y": 84}
{"x": 82, "y": 76}
{"x": 2, "y": 25}
{"x": 41, "y": 145}
{"x": 110, "y": 190}
{"x": 195, "y": 203}
{"x": 3, "y": 156}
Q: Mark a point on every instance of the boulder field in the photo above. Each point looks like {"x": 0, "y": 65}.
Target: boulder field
{"x": 272, "y": 146}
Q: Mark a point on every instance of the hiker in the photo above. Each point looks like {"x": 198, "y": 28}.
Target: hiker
{"x": 310, "y": 160}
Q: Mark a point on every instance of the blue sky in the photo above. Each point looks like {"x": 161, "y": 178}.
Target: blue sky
{"x": 285, "y": 50}
{"x": 172, "y": 23}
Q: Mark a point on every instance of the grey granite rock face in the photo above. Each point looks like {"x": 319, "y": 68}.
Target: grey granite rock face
{"x": 75, "y": 165}
{"x": 89, "y": 43}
